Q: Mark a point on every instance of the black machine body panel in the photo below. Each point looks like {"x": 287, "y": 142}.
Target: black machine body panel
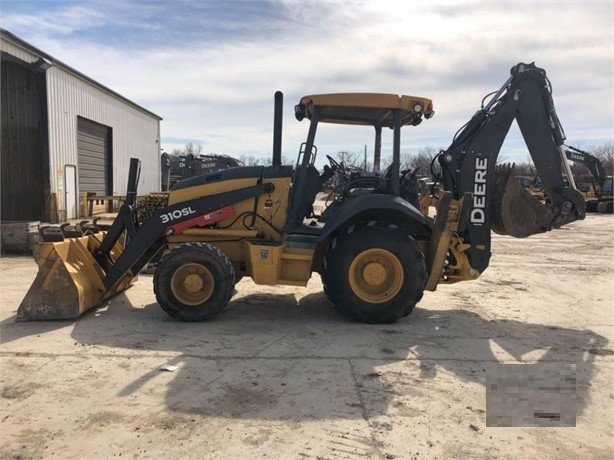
{"x": 379, "y": 207}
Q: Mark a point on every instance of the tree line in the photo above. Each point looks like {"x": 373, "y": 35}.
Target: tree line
{"x": 421, "y": 160}
{"x": 248, "y": 160}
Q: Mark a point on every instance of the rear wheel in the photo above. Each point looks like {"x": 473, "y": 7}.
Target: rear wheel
{"x": 194, "y": 282}
{"x": 374, "y": 273}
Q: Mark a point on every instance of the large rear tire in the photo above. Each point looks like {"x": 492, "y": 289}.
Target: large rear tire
{"x": 374, "y": 273}
{"x": 194, "y": 282}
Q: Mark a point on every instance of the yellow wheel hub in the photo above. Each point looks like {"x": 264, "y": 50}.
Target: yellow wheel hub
{"x": 192, "y": 284}
{"x": 376, "y": 275}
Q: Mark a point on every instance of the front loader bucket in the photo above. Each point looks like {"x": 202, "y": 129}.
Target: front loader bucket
{"x": 515, "y": 211}
{"x": 69, "y": 280}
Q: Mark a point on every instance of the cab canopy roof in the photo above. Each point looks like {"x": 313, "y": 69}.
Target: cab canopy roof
{"x": 365, "y": 108}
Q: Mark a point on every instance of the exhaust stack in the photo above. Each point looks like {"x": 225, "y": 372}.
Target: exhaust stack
{"x": 277, "y": 125}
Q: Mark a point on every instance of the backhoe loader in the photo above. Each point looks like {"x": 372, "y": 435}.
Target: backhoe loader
{"x": 376, "y": 252}
{"x": 602, "y": 197}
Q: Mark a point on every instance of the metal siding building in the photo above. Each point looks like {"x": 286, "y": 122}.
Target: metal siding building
{"x": 86, "y": 136}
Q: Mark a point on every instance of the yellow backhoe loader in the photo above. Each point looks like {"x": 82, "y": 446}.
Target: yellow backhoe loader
{"x": 375, "y": 251}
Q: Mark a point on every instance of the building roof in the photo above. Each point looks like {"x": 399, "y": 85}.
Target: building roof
{"x": 15, "y": 40}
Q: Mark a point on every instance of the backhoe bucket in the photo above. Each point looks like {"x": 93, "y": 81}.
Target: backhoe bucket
{"x": 515, "y": 211}
{"x": 69, "y": 280}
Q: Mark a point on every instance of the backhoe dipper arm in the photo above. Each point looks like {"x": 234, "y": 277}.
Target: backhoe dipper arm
{"x": 468, "y": 166}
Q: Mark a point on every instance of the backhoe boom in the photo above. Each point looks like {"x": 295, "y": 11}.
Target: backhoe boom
{"x": 469, "y": 166}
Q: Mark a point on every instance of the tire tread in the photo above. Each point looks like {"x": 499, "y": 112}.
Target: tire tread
{"x": 336, "y": 287}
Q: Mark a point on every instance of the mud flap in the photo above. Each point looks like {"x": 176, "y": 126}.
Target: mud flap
{"x": 69, "y": 280}
{"x": 515, "y": 211}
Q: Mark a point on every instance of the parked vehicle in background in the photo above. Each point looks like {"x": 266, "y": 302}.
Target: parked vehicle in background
{"x": 599, "y": 197}
{"x": 178, "y": 167}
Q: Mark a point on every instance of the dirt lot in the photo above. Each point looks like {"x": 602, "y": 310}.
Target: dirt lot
{"x": 280, "y": 374}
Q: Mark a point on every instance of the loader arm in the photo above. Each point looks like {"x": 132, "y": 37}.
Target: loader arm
{"x": 79, "y": 273}
{"x": 498, "y": 202}
{"x": 151, "y": 235}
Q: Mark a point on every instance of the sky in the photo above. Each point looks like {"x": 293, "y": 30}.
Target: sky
{"x": 210, "y": 68}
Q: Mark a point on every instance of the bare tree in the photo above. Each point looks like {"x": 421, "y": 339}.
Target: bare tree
{"x": 351, "y": 159}
{"x": 423, "y": 160}
{"x": 420, "y": 161}
{"x": 189, "y": 148}
{"x": 249, "y": 160}
{"x": 525, "y": 168}
{"x": 194, "y": 149}
{"x": 268, "y": 161}
{"x": 605, "y": 154}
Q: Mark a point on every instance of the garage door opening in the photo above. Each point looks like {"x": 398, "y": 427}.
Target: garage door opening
{"x": 95, "y": 172}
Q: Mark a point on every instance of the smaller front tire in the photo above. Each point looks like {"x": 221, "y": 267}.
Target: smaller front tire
{"x": 194, "y": 282}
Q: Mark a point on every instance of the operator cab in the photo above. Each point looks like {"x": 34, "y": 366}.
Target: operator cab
{"x": 362, "y": 109}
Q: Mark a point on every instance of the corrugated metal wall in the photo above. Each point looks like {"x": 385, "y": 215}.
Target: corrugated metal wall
{"x": 134, "y": 133}
{"x": 23, "y": 167}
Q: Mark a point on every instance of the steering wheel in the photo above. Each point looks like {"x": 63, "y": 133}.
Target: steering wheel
{"x": 335, "y": 164}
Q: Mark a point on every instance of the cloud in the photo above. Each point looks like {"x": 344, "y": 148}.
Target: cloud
{"x": 210, "y": 68}
{"x": 64, "y": 21}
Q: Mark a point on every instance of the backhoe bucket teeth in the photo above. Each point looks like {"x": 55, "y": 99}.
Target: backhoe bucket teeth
{"x": 69, "y": 280}
{"x": 515, "y": 211}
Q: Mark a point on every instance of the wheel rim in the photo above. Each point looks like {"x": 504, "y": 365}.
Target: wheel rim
{"x": 376, "y": 275}
{"x": 192, "y": 284}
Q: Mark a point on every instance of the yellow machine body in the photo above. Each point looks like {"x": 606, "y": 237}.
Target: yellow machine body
{"x": 260, "y": 253}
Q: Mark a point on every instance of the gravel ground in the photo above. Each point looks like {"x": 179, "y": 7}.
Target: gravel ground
{"x": 280, "y": 374}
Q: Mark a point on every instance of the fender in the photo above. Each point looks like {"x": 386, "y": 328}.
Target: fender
{"x": 379, "y": 207}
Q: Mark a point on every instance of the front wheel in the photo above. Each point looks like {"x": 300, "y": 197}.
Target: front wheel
{"x": 194, "y": 282}
{"x": 374, "y": 273}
